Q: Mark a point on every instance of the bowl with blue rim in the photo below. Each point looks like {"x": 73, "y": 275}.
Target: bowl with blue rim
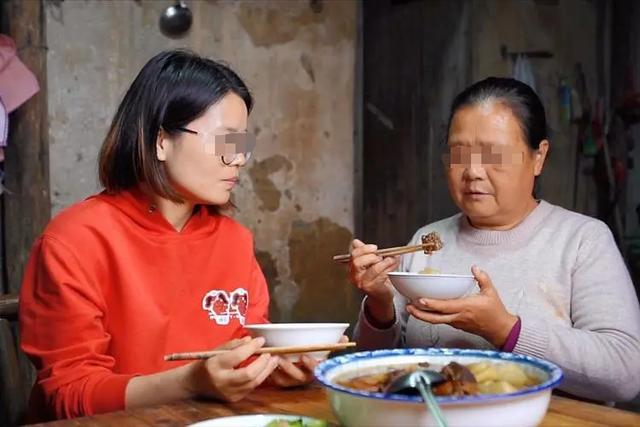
{"x": 524, "y": 405}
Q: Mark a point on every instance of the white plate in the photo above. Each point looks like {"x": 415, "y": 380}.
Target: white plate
{"x": 252, "y": 420}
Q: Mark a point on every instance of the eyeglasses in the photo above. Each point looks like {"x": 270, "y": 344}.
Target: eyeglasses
{"x": 461, "y": 155}
{"x": 228, "y": 146}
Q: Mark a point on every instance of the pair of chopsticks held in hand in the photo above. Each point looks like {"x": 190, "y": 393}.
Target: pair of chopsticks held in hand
{"x": 196, "y": 355}
{"x": 430, "y": 243}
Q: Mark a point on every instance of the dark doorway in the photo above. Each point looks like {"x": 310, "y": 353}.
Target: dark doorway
{"x": 415, "y": 59}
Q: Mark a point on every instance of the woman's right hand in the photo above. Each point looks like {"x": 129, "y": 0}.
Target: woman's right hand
{"x": 218, "y": 377}
{"x": 368, "y": 272}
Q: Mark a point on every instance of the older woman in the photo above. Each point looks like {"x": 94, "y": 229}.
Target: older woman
{"x": 552, "y": 283}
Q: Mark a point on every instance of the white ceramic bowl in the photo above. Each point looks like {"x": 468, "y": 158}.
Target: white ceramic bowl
{"x": 296, "y": 334}
{"x": 435, "y": 286}
{"x": 353, "y": 408}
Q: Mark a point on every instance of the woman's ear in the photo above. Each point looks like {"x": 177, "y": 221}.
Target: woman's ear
{"x": 540, "y": 157}
{"x": 162, "y": 145}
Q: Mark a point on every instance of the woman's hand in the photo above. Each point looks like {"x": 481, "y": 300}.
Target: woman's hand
{"x": 368, "y": 272}
{"x": 482, "y": 314}
{"x": 218, "y": 377}
{"x": 289, "y": 374}
{"x": 296, "y": 374}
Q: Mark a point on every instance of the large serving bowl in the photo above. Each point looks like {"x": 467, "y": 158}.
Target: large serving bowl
{"x": 298, "y": 334}
{"x": 525, "y": 407}
{"x": 435, "y": 286}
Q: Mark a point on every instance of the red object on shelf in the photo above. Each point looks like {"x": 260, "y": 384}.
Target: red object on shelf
{"x": 629, "y": 109}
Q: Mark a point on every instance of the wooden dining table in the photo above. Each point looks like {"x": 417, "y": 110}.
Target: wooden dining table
{"x": 312, "y": 401}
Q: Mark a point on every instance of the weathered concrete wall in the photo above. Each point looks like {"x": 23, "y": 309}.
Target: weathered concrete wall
{"x": 296, "y": 194}
{"x": 567, "y": 29}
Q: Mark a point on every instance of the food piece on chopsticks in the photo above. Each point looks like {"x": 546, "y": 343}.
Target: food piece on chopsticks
{"x": 431, "y": 243}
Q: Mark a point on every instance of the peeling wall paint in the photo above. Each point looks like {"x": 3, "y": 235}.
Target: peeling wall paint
{"x": 308, "y": 243}
{"x": 263, "y": 185}
{"x": 296, "y": 194}
{"x": 268, "y": 26}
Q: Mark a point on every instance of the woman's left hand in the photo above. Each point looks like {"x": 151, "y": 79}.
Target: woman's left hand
{"x": 482, "y": 314}
{"x": 289, "y": 374}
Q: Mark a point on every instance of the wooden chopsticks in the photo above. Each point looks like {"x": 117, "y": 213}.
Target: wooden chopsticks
{"x": 398, "y": 250}
{"x": 430, "y": 243}
{"x": 271, "y": 350}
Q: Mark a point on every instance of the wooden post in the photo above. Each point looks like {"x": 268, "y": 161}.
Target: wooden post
{"x": 26, "y": 207}
{"x": 26, "y": 203}
{"x": 11, "y": 408}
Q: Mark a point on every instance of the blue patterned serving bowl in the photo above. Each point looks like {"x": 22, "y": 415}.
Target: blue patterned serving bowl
{"x": 525, "y": 407}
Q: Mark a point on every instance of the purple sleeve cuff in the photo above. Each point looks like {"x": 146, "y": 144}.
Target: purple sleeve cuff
{"x": 512, "y": 339}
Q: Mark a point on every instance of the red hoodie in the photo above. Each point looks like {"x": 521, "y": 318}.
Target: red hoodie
{"x": 111, "y": 287}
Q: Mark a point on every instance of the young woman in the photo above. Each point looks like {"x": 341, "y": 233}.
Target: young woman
{"x": 552, "y": 284}
{"x": 151, "y": 266}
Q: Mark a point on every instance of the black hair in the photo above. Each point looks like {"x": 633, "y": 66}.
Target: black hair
{"x": 174, "y": 88}
{"x": 519, "y": 97}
